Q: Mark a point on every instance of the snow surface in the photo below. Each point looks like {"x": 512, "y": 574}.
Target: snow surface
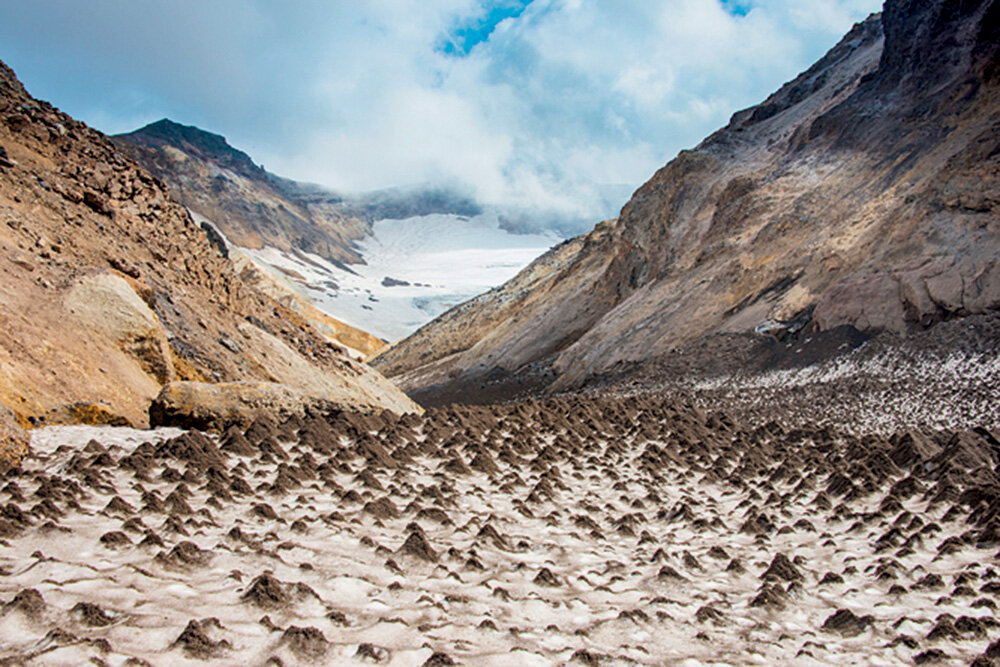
{"x": 447, "y": 259}
{"x": 478, "y": 600}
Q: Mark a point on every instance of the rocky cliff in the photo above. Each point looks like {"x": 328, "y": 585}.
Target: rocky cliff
{"x": 109, "y": 290}
{"x": 864, "y": 193}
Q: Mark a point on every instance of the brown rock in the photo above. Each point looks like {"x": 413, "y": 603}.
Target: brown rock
{"x": 107, "y": 304}
{"x": 218, "y": 406}
{"x": 305, "y": 642}
{"x": 13, "y": 440}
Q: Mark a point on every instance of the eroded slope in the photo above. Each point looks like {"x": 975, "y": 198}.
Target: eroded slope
{"x": 863, "y": 193}
{"x": 248, "y": 205}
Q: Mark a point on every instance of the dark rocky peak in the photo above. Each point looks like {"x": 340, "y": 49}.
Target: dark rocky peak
{"x": 198, "y": 142}
{"x": 862, "y": 35}
{"x": 930, "y": 42}
{"x": 937, "y": 56}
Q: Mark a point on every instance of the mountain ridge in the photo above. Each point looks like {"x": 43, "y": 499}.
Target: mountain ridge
{"x": 225, "y": 186}
{"x": 859, "y": 194}
{"x": 211, "y": 145}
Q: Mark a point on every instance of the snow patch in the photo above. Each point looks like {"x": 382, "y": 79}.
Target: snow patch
{"x": 446, "y": 259}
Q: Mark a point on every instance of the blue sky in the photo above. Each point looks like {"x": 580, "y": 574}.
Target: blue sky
{"x": 472, "y": 30}
{"x": 555, "y": 105}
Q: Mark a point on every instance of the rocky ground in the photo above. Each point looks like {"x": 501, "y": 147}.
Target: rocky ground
{"x": 944, "y": 377}
{"x": 593, "y": 531}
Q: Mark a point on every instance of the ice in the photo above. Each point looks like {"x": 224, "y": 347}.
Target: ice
{"x": 447, "y": 259}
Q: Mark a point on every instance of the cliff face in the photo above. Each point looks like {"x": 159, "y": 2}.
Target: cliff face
{"x": 249, "y": 206}
{"x": 865, "y": 192}
{"x": 109, "y": 290}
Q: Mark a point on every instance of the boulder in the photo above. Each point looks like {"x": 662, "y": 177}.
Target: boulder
{"x": 868, "y": 300}
{"x": 919, "y": 293}
{"x": 107, "y": 304}
{"x": 217, "y": 406}
{"x": 13, "y": 440}
{"x": 353, "y": 385}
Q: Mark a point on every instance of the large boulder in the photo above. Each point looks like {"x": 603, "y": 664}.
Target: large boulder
{"x": 107, "y": 304}
{"x": 13, "y": 440}
{"x": 920, "y": 293}
{"x": 216, "y": 406}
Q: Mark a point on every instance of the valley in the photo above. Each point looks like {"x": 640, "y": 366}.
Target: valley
{"x": 754, "y": 418}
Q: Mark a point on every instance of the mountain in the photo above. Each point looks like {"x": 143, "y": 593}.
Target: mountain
{"x": 860, "y": 199}
{"x": 254, "y": 208}
{"x": 223, "y": 185}
{"x": 309, "y": 244}
{"x": 112, "y": 294}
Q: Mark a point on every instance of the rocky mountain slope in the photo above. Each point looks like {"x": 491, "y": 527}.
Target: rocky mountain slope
{"x": 109, "y": 290}
{"x": 248, "y": 205}
{"x": 862, "y": 194}
{"x": 254, "y": 208}
{"x": 310, "y": 244}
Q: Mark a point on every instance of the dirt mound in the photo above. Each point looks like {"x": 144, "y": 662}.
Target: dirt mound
{"x": 267, "y": 593}
{"x": 29, "y": 602}
{"x": 383, "y": 508}
{"x": 197, "y": 644}
{"x": 781, "y": 569}
{"x": 234, "y": 442}
{"x": 305, "y": 642}
{"x": 92, "y": 615}
{"x": 416, "y": 545}
{"x": 847, "y": 623}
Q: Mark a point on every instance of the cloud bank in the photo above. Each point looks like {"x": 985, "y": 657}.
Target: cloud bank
{"x": 561, "y": 105}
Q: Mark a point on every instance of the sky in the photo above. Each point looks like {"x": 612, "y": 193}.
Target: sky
{"x": 564, "y": 106}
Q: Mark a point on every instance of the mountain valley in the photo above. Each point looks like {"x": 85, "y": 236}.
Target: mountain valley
{"x": 753, "y": 419}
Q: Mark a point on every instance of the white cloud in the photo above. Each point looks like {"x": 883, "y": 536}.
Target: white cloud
{"x": 560, "y": 105}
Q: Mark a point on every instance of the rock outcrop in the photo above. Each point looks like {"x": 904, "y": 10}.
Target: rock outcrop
{"x": 108, "y": 306}
{"x": 109, "y": 289}
{"x": 865, "y": 193}
{"x": 13, "y": 440}
{"x": 217, "y": 406}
